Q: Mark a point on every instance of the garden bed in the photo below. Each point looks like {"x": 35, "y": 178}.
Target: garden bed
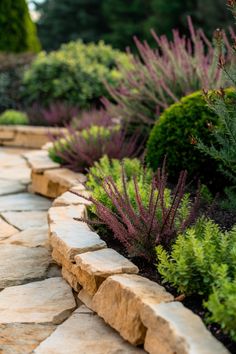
{"x": 141, "y": 310}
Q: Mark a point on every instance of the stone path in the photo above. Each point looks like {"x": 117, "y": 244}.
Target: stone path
{"x": 39, "y": 313}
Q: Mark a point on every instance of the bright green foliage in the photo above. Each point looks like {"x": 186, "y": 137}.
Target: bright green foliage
{"x": 222, "y": 303}
{"x": 75, "y": 74}
{"x": 175, "y": 135}
{"x": 196, "y": 255}
{"x": 113, "y": 168}
{"x": 13, "y": 117}
{"x": 18, "y": 32}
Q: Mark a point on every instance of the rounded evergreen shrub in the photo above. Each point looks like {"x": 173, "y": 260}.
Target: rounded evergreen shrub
{"x": 174, "y": 136}
{"x": 75, "y": 73}
{"x": 13, "y": 117}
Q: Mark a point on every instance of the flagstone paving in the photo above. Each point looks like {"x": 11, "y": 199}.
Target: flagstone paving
{"x": 34, "y": 298}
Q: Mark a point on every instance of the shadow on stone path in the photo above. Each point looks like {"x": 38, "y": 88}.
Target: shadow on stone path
{"x": 37, "y": 307}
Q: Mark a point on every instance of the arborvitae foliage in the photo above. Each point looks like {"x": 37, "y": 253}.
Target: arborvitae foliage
{"x": 224, "y": 148}
{"x": 17, "y": 31}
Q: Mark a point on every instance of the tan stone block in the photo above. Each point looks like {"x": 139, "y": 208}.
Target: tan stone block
{"x": 41, "y": 184}
{"x": 6, "y": 230}
{"x": 72, "y": 237}
{"x": 86, "y": 298}
{"x": 22, "y": 338}
{"x": 71, "y": 279}
{"x": 47, "y": 301}
{"x": 98, "y": 265}
{"x": 69, "y": 198}
{"x": 85, "y": 333}
{"x": 39, "y": 161}
{"x": 65, "y": 177}
{"x": 119, "y": 301}
{"x": 174, "y": 329}
{"x": 67, "y": 213}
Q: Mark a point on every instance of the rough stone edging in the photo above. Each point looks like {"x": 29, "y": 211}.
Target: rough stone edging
{"x": 142, "y": 311}
{"x": 27, "y": 136}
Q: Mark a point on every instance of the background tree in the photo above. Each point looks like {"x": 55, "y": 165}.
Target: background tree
{"x": 63, "y": 21}
{"x": 17, "y": 31}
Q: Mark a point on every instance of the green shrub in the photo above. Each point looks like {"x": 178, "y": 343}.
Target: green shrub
{"x": 18, "y": 32}
{"x": 75, "y": 73}
{"x": 222, "y": 303}
{"x": 12, "y": 67}
{"x": 113, "y": 168}
{"x": 195, "y": 256}
{"x": 13, "y": 117}
{"x": 175, "y": 133}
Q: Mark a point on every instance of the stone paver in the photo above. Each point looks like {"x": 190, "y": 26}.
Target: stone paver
{"x": 10, "y": 187}
{"x": 47, "y": 301}
{"x": 33, "y": 237}
{"x": 22, "y": 338}
{"x": 20, "y": 264}
{"x": 22, "y": 202}
{"x": 85, "y": 333}
{"x": 6, "y": 230}
{"x": 24, "y": 220}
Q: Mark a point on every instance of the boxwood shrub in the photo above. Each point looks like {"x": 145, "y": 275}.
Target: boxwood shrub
{"x": 12, "y": 117}
{"x": 75, "y": 73}
{"x": 174, "y": 135}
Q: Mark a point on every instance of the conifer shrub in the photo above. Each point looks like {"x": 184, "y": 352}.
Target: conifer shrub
{"x": 75, "y": 74}
{"x": 11, "y": 117}
{"x": 175, "y": 135}
{"x": 18, "y": 32}
{"x": 191, "y": 265}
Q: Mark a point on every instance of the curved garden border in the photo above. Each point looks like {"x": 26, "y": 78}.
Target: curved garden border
{"x": 26, "y": 136}
{"x": 142, "y": 311}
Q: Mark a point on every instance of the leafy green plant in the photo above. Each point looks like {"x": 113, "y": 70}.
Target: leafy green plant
{"x": 222, "y": 302}
{"x": 106, "y": 167}
{"x": 13, "y": 117}
{"x": 75, "y": 74}
{"x": 175, "y": 135}
{"x": 196, "y": 254}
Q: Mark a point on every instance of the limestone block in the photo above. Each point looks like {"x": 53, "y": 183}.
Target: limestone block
{"x": 71, "y": 279}
{"x": 71, "y": 238}
{"x": 6, "y": 230}
{"x": 69, "y": 198}
{"x": 119, "y": 301}
{"x": 98, "y": 265}
{"x": 85, "y": 333}
{"x": 39, "y": 161}
{"x": 20, "y": 264}
{"x": 47, "y": 301}
{"x": 174, "y": 329}
{"x": 22, "y": 338}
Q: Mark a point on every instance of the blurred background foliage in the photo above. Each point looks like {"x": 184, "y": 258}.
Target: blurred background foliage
{"x": 117, "y": 21}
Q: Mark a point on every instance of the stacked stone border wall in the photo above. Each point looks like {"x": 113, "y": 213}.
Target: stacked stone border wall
{"x": 27, "y": 136}
{"x": 142, "y": 311}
